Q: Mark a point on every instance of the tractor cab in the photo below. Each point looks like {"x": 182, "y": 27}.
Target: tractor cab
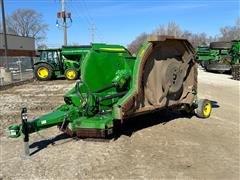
{"x": 51, "y": 56}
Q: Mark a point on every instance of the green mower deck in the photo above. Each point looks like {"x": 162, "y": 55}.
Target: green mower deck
{"x": 115, "y": 86}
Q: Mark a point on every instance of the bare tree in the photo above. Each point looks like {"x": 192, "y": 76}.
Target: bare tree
{"x": 174, "y": 30}
{"x": 212, "y": 39}
{"x": 160, "y": 30}
{"x": 42, "y": 46}
{"x": 27, "y": 23}
{"x": 229, "y": 33}
{"x": 136, "y": 44}
{"x": 187, "y": 34}
{"x": 200, "y": 39}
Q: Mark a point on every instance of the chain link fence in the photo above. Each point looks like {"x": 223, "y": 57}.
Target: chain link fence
{"x": 17, "y": 69}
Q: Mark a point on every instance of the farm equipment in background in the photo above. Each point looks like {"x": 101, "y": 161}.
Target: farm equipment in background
{"x": 115, "y": 86}
{"x": 236, "y": 60}
{"x": 204, "y": 55}
{"x": 54, "y": 63}
{"x": 219, "y": 56}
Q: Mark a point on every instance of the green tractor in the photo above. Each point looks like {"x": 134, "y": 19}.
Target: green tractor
{"x": 116, "y": 86}
{"x": 54, "y": 63}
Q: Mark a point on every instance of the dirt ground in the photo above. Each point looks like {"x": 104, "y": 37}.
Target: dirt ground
{"x": 157, "y": 146}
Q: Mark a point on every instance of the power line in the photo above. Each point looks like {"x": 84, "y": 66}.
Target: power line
{"x": 93, "y": 32}
{"x": 90, "y": 21}
{"x": 87, "y": 10}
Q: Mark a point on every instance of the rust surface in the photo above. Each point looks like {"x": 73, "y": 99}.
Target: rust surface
{"x": 151, "y": 81}
{"x": 91, "y": 133}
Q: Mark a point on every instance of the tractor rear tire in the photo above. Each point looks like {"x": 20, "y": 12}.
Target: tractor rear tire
{"x": 71, "y": 74}
{"x": 204, "y": 108}
{"x": 220, "y": 45}
{"x": 43, "y": 72}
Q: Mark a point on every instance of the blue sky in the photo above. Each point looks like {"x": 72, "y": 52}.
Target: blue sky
{"x": 120, "y": 21}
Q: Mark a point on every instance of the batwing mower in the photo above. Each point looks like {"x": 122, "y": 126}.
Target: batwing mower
{"x": 115, "y": 86}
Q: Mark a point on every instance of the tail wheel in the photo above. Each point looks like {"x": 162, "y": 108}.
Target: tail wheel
{"x": 71, "y": 74}
{"x": 43, "y": 72}
{"x": 204, "y": 108}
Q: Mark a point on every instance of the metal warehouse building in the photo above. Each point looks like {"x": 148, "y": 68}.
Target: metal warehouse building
{"x": 18, "y": 45}
{"x": 20, "y": 53}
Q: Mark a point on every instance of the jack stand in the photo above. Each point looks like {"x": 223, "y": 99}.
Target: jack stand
{"x": 25, "y": 130}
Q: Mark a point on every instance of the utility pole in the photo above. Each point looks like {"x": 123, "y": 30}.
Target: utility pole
{"x": 4, "y": 34}
{"x": 63, "y": 15}
{"x": 93, "y": 31}
{"x": 64, "y": 22}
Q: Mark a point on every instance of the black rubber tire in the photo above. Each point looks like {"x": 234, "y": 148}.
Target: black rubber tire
{"x": 201, "y": 63}
{"x": 236, "y": 72}
{"x": 48, "y": 67}
{"x": 220, "y": 72}
{"x": 205, "y": 64}
{"x": 218, "y": 67}
{"x": 72, "y": 69}
{"x": 199, "y": 111}
{"x": 220, "y": 45}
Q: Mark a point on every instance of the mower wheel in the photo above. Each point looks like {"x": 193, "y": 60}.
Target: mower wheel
{"x": 204, "y": 108}
{"x": 71, "y": 74}
{"x": 220, "y": 45}
{"x": 43, "y": 72}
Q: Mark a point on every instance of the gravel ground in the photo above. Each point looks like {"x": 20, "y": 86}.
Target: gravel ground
{"x": 158, "y": 146}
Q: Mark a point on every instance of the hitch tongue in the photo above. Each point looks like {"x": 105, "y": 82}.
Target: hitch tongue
{"x": 25, "y": 130}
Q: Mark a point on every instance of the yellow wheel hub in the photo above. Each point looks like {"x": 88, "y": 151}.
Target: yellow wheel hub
{"x": 71, "y": 74}
{"x": 207, "y": 109}
{"x": 42, "y": 72}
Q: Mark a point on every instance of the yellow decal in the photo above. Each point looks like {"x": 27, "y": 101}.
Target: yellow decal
{"x": 113, "y": 49}
{"x": 142, "y": 52}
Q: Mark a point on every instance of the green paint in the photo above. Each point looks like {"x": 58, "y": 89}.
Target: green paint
{"x": 228, "y": 56}
{"x": 235, "y": 51}
{"x": 109, "y": 77}
{"x": 102, "y": 66}
{"x": 206, "y": 54}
